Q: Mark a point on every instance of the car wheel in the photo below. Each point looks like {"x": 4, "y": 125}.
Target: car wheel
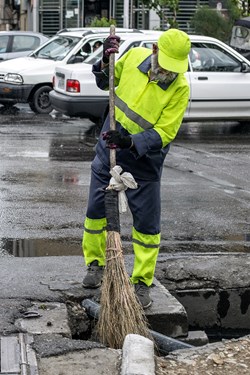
{"x": 41, "y": 101}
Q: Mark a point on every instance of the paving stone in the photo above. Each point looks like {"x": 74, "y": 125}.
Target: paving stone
{"x": 137, "y": 356}
{"x": 53, "y": 319}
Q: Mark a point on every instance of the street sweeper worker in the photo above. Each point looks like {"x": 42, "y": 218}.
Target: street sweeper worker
{"x": 151, "y": 97}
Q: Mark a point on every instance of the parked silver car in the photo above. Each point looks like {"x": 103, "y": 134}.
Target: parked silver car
{"x": 19, "y": 43}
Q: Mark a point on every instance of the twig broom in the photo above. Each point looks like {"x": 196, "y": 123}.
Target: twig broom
{"x": 120, "y": 311}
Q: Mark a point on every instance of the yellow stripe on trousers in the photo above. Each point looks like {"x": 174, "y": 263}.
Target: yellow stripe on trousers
{"x": 146, "y": 249}
{"x": 94, "y": 240}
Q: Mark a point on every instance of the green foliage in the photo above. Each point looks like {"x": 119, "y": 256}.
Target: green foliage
{"x": 210, "y": 22}
{"x": 234, "y": 12}
{"x": 102, "y": 22}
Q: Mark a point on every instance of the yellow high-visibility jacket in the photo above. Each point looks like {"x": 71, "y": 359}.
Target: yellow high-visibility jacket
{"x": 150, "y": 111}
{"x": 141, "y": 105}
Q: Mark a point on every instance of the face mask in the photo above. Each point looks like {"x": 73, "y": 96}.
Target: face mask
{"x": 160, "y": 74}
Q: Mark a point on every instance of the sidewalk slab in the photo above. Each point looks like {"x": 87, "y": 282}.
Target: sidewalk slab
{"x": 166, "y": 314}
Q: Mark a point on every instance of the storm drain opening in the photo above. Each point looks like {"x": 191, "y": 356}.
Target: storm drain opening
{"x": 222, "y": 314}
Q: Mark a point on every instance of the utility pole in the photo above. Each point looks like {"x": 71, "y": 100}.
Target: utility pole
{"x": 126, "y": 14}
{"x": 35, "y": 13}
{"x": 131, "y": 14}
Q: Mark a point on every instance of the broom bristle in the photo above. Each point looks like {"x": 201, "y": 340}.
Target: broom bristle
{"x": 120, "y": 311}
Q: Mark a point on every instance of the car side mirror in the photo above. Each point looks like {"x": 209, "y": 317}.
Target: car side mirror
{"x": 245, "y": 68}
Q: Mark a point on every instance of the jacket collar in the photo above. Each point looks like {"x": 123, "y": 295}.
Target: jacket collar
{"x": 145, "y": 67}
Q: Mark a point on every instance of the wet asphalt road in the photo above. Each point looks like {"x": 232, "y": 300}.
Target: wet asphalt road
{"x": 44, "y": 180}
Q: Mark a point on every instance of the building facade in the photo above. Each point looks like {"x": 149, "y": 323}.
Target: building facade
{"x": 49, "y": 16}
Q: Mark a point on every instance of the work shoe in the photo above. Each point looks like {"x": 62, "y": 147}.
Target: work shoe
{"x": 93, "y": 279}
{"x": 142, "y": 292}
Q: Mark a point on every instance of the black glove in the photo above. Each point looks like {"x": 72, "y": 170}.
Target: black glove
{"x": 110, "y": 45}
{"x": 116, "y": 140}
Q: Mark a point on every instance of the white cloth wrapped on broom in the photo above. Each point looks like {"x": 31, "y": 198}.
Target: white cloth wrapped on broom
{"x": 121, "y": 182}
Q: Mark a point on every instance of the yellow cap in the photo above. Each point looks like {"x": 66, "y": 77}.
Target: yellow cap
{"x": 174, "y": 46}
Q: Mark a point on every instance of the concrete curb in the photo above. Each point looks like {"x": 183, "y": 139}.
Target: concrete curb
{"x": 137, "y": 356}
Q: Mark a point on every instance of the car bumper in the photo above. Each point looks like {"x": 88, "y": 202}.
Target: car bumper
{"x": 14, "y": 93}
{"x": 83, "y": 106}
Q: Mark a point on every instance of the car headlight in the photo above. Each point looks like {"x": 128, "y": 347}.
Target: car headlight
{"x": 13, "y": 78}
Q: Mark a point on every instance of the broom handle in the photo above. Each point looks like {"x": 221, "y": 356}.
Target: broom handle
{"x": 112, "y": 98}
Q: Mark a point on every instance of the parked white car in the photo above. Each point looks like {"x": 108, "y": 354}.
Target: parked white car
{"x": 219, "y": 79}
{"x": 29, "y": 79}
{"x": 17, "y": 43}
{"x": 75, "y": 92}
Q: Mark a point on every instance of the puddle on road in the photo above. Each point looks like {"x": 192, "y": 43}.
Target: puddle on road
{"x": 40, "y": 247}
{"x": 67, "y": 247}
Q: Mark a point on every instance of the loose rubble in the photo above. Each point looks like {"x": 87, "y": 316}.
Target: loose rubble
{"x": 223, "y": 358}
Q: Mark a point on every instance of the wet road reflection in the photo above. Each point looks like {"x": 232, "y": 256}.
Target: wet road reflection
{"x": 233, "y": 131}
{"x": 65, "y": 148}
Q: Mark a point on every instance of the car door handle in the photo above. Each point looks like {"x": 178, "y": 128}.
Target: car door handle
{"x": 202, "y": 78}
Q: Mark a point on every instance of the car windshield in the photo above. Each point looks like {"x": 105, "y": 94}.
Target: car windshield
{"x": 57, "y": 49}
